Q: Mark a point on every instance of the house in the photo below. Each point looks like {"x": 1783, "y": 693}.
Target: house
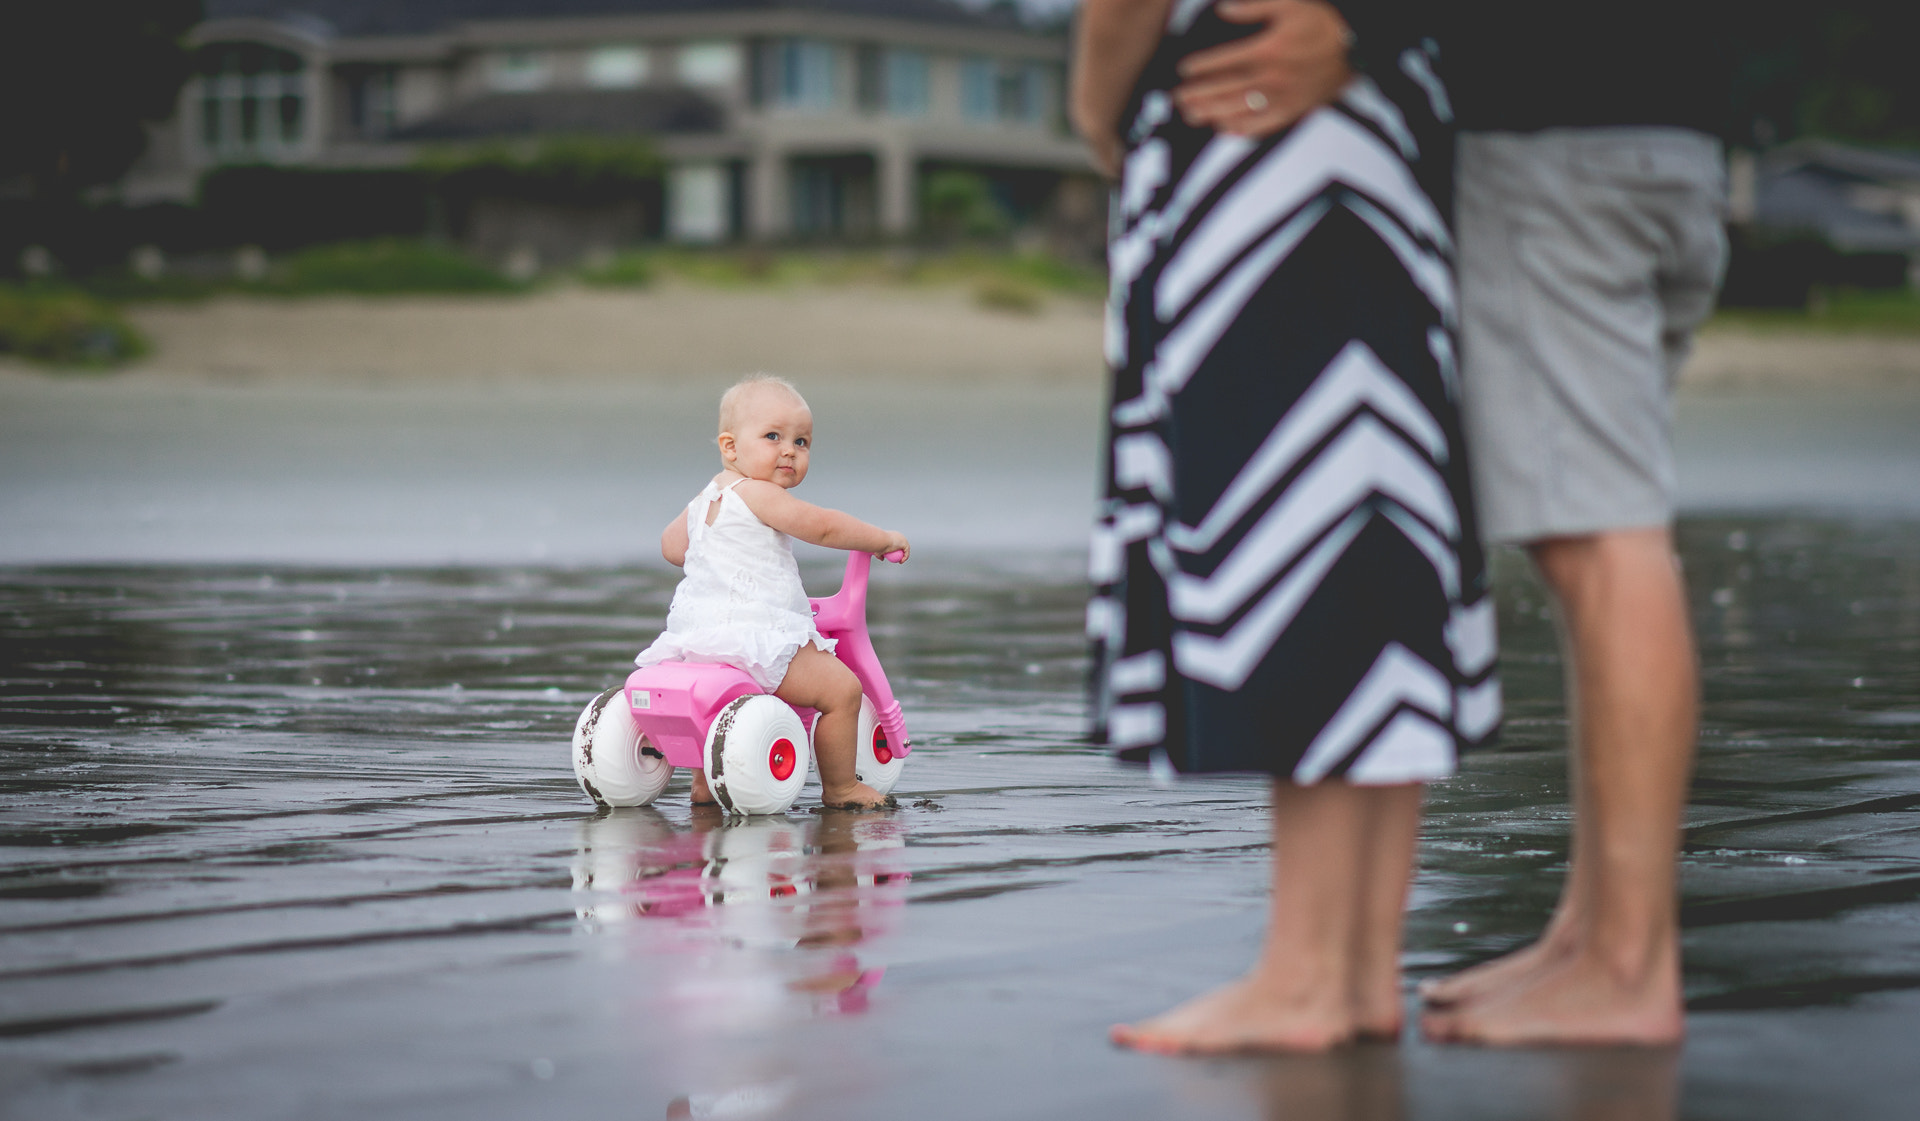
{"x": 776, "y": 118}
{"x": 1856, "y": 209}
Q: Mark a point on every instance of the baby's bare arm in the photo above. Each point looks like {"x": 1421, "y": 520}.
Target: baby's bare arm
{"x": 673, "y": 541}
{"x": 817, "y": 525}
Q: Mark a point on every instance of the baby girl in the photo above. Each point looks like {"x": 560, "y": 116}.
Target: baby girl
{"x": 741, "y": 601}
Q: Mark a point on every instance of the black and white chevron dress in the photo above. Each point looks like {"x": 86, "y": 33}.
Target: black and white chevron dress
{"x": 1287, "y": 574}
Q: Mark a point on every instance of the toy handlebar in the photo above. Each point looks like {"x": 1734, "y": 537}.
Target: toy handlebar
{"x": 898, "y": 556}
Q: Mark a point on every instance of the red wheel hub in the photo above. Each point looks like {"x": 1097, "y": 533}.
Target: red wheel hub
{"x": 780, "y": 759}
{"x": 881, "y": 752}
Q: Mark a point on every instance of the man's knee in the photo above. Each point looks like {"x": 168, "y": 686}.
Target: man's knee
{"x": 1569, "y": 562}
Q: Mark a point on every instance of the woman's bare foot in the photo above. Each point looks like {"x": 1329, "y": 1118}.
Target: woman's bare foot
{"x": 1574, "y": 1000}
{"x": 1381, "y": 1015}
{"x": 856, "y": 796}
{"x": 702, "y": 794}
{"x": 1251, "y": 1014}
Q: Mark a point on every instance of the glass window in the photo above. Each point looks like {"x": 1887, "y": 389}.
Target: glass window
{"x": 617, "y": 67}
{"x": 906, "y": 83}
{"x": 978, "y": 99}
{"x": 372, "y": 105}
{"x": 517, "y": 72}
{"x": 806, "y": 74}
{"x": 252, "y": 99}
{"x": 710, "y": 63}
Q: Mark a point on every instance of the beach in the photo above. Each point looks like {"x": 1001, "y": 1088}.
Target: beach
{"x": 296, "y": 615}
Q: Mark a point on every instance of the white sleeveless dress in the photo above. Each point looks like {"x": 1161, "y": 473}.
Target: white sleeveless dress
{"x": 741, "y": 601}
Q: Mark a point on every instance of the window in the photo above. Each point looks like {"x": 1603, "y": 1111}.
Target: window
{"x": 991, "y": 90}
{"x": 517, "y": 72}
{"x": 978, "y": 98}
{"x": 613, "y": 68}
{"x": 252, "y": 99}
{"x": 1021, "y": 92}
{"x": 904, "y": 82}
{"x": 805, "y": 78}
{"x": 709, "y": 64}
{"x": 372, "y": 107}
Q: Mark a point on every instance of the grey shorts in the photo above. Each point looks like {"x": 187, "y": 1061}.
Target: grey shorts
{"x": 1586, "y": 259}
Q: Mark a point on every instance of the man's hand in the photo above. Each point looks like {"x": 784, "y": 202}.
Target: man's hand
{"x": 1264, "y": 83}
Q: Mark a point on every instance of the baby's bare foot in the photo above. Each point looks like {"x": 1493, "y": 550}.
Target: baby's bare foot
{"x": 702, "y": 794}
{"x": 857, "y": 796}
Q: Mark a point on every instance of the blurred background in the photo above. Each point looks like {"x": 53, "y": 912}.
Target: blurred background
{"x": 353, "y": 354}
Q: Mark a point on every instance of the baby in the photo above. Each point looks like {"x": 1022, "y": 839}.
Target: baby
{"x": 741, "y": 601}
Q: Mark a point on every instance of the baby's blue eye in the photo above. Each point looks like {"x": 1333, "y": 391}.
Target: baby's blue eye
{"x": 801, "y": 442}
{"x": 773, "y": 436}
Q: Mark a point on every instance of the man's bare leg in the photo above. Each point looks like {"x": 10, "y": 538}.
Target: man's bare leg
{"x": 1614, "y": 977}
{"x": 1301, "y": 994}
{"x": 1562, "y": 933}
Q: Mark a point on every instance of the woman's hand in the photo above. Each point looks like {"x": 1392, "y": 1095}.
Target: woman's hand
{"x": 1269, "y": 80}
{"x": 1112, "y": 44}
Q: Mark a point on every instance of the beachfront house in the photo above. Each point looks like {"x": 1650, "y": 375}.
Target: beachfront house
{"x": 775, "y": 118}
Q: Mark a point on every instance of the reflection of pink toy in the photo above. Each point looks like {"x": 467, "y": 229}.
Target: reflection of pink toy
{"x": 753, "y": 746}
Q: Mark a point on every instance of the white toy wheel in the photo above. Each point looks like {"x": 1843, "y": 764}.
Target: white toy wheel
{"x": 874, "y": 762}
{"x": 756, "y": 755}
{"x": 614, "y": 762}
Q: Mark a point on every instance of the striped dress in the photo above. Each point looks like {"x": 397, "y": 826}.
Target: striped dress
{"x": 1287, "y": 576}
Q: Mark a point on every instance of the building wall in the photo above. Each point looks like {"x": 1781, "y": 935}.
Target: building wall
{"x": 772, "y": 151}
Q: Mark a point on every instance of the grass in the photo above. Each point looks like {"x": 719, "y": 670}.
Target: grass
{"x": 1839, "y": 310}
{"x": 379, "y": 268}
{"x": 65, "y": 327}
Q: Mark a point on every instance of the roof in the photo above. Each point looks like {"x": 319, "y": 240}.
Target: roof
{"x": 358, "y": 18}
{"x": 1848, "y": 196}
{"x": 562, "y": 112}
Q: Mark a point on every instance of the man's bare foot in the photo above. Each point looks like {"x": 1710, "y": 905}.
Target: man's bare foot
{"x": 702, "y": 794}
{"x": 1250, "y": 1014}
{"x": 1577, "y": 1000}
{"x": 858, "y": 796}
{"x": 1504, "y": 972}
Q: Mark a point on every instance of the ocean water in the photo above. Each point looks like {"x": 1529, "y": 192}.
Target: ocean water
{"x": 283, "y": 840}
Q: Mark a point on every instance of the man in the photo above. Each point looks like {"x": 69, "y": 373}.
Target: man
{"x": 1590, "y": 244}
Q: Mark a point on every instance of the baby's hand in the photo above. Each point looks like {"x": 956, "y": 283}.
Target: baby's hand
{"x": 896, "y": 543}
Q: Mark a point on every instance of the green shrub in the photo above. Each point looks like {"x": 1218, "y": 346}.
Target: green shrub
{"x": 961, "y": 203}
{"x": 567, "y": 170}
{"x": 65, "y": 328}
{"x": 627, "y": 270}
{"x": 383, "y": 267}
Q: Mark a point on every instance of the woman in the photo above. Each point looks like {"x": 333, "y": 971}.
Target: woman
{"x": 1286, "y": 573}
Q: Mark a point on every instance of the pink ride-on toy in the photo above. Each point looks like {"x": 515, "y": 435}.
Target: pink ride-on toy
{"x": 753, "y": 746}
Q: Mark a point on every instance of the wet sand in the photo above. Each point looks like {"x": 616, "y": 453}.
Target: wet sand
{"x": 288, "y": 657}
{"x": 301, "y": 842}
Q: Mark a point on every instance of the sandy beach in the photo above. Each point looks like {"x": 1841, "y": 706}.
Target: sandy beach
{"x": 846, "y": 332}
{"x": 661, "y": 333}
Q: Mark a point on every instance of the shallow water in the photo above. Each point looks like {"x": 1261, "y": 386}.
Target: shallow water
{"x": 291, "y": 842}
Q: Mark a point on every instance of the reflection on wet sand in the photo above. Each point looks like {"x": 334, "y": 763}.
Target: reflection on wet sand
{"x": 737, "y": 896}
{"x": 1377, "y": 1081}
{"x": 751, "y": 920}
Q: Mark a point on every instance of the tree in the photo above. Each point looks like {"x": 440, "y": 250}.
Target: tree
{"x": 79, "y": 81}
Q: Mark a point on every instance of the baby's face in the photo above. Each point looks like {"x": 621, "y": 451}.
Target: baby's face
{"x": 770, "y": 439}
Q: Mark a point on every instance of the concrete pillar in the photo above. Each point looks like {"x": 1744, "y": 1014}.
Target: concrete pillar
{"x": 767, "y": 217}
{"x": 899, "y": 212}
